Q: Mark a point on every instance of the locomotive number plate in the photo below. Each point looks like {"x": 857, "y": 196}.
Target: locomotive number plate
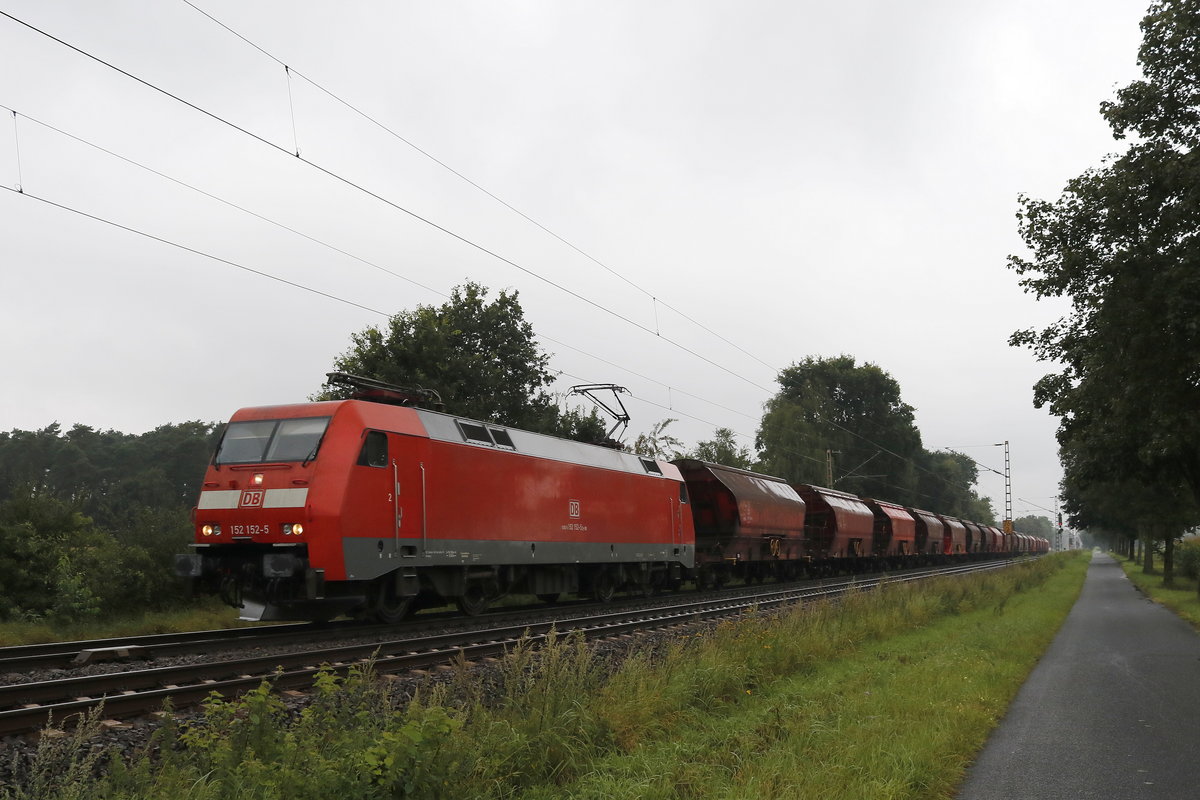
{"x": 250, "y": 530}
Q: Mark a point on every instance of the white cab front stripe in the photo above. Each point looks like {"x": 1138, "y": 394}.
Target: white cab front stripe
{"x": 272, "y": 498}
{"x": 285, "y": 498}
{"x": 227, "y": 498}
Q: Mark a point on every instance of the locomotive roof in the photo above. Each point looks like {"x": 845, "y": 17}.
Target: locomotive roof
{"x": 449, "y": 428}
{"x": 463, "y": 430}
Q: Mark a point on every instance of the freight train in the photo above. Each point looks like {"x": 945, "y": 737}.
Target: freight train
{"x": 373, "y": 506}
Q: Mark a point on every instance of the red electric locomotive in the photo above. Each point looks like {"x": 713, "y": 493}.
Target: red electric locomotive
{"x": 362, "y": 506}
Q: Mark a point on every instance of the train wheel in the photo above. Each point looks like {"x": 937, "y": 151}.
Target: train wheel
{"x": 387, "y": 606}
{"x": 603, "y": 586}
{"x": 474, "y": 600}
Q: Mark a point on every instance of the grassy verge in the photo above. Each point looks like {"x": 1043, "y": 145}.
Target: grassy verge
{"x": 1182, "y": 599}
{"x": 887, "y": 695}
{"x": 206, "y": 615}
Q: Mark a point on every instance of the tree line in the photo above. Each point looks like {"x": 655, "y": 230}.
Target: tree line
{"x": 1120, "y": 243}
{"x": 90, "y": 520}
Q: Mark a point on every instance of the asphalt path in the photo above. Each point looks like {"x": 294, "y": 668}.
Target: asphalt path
{"x": 1111, "y": 711}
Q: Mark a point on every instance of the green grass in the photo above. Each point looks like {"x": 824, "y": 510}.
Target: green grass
{"x": 1182, "y": 599}
{"x": 205, "y": 615}
{"x": 844, "y": 710}
{"x": 889, "y": 694}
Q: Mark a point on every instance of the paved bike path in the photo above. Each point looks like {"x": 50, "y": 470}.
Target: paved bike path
{"x": 1111, "y": 711}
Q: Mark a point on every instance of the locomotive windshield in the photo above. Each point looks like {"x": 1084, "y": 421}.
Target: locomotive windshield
{"x": 271, "y": 440}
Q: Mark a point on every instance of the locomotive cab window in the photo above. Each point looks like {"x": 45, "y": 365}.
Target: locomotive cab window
{"x": 374, "y": 450}
{"x": 502, "y": 438}
{"x": 683, "y": 495}
{"x": 260, "y": 441}
{"x": 651, "y": 466}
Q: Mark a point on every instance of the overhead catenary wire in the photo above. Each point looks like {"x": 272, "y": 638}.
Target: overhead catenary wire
{"x": 447, "y": 231}
{"x": 17, "y": 148}
{"x": 197, "y": 252}
{"x": 330, "y": 296}
{"x": 277, "y": 278}
{"x": 375, "y": 195}
{"x": 348, "y": 254}
{"x": 655, "y": 301}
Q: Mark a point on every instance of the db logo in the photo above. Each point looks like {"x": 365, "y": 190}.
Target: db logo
{"x": 251, "y": 499}
{"x": 573, "y": 509}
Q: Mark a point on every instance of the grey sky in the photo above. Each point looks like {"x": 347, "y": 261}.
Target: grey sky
{"x": 803, "y": 178}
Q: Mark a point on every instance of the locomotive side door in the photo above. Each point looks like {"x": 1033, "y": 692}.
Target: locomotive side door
{"x": 407, "y": 463}
{"x": 383, "y": 514}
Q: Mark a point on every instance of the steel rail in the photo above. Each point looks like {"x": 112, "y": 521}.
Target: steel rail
{"x": 65, "y": 655}
{"x": 30, "y": 706}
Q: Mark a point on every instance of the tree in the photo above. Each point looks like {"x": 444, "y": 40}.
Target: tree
{"x": 830, "y": 407}
{"x": 657, "y": 443}
{"x": 481, "y": 356}
{"x": 1036, "y": 526}
{"x": 90, "y": 520}
{"x": 723, "y": 449}
{"x": 572, "y": 423}
{"x": 1121, "y": 243}
{"x": 944, "y": 486}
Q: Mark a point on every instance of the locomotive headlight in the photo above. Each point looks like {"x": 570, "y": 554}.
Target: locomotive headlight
{"x": 211, "y": 530}
{"x": 258, "y": 479}
{"x": 293, "y": 529}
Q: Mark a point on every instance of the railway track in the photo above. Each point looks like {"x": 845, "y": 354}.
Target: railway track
{"x": 26, "y": 707}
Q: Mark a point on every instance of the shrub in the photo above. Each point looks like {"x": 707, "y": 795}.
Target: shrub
{"x": 1187, "y": 559}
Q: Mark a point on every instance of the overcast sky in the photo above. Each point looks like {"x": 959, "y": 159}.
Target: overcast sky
{"x": 801, "y": 178}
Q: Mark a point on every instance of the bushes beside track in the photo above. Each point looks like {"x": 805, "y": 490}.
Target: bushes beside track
{"x": 90, "y": 520}
{"x": 888, "y": 694}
